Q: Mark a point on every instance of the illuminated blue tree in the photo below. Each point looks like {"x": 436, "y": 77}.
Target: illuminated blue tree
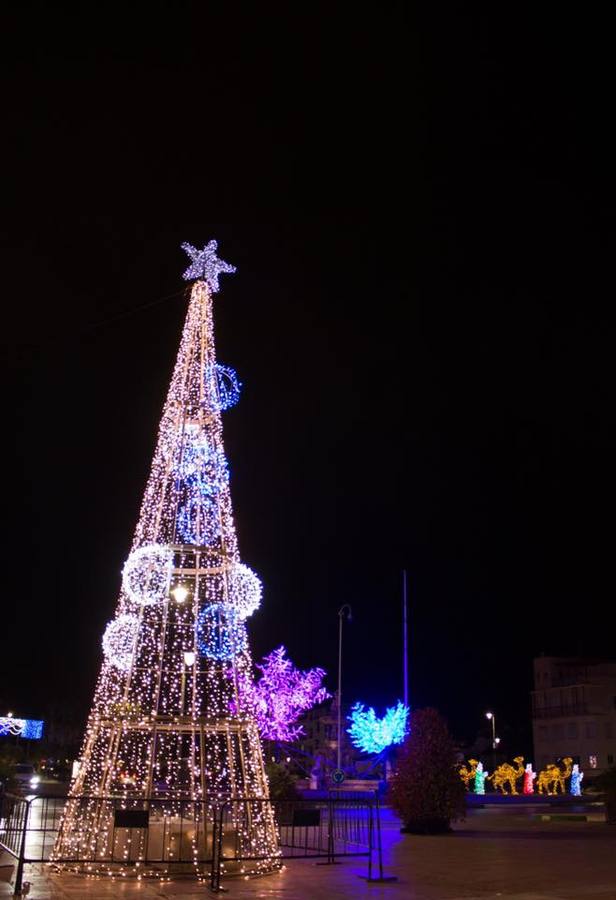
{"x": 372, "y": 734}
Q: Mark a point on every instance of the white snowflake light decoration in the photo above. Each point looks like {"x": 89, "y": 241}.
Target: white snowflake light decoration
{"x": 119, "y": 641}
{"x": 245, "y": 590}
{"x": 147, "y": 574}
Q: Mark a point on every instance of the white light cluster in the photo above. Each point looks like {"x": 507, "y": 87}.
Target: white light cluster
{"x": 119, "y": 641}
{"x": 159, "y": 726}
{"x": 147, "y": 573}
{"x": 206, "y": 265}
{"x": 245, "y": 590}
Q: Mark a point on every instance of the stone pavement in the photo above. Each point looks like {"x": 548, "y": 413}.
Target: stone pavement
{"x": 496, "y": 853}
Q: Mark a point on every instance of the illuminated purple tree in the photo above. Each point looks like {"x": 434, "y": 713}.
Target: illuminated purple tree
{"x": 280, "y": 696}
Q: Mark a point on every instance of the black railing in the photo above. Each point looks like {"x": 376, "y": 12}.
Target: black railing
{"x": 154, "y": 836}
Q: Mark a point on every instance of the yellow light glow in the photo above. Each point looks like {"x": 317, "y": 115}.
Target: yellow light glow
{"x": 180, "y": 593}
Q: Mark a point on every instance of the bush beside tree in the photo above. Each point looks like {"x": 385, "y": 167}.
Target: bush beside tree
{"x": 426, "y": 790}
{"x": 281, "y": 782}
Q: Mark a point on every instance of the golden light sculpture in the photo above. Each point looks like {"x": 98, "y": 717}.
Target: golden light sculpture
{"x": 553, "y": 777}
{"x": 467, "y": 775}
{"x": 505, "y": 775}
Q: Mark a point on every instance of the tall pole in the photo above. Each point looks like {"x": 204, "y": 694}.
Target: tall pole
{"x": 493, "y": 742}
{"x": 341, "y": 612}
{"x": 492, "y": 718}
{"x": 405, "y": 638}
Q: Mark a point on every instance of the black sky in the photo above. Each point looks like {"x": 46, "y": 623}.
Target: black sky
{"x": 421, "y": 210}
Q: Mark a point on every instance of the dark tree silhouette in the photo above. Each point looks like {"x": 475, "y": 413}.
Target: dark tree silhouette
{"x": 426, "y": 790}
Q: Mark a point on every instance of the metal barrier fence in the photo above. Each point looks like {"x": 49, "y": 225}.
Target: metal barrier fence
{"x": 339, "y": 826}
{"x": 177, "y": 835}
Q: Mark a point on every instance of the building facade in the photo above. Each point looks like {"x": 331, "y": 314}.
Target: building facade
{"x": 574, "y": 712}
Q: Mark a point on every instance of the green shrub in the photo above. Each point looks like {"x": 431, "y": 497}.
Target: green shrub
{"x": 426, "y": 790}
{"x": 281, "y": 782}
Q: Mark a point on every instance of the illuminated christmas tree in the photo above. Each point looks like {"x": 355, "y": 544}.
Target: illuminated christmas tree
{"x": 166, "y": 723}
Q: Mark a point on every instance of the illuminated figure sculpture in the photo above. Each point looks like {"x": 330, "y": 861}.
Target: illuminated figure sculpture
{"x": 552, "y": 778}
{"x": 529, "y": 777}
{"x": 505, "y": 775}
{"x": 480, "y": 777}
{"x": 467, "y": 775}
{"x": 575, "y": 785}
{"x": 163, "y": 735}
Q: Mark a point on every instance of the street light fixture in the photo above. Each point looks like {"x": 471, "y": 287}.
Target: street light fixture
{"x": 495, "y": 740}
{"x": 189, "y": 661}
{"x": 342, "y": 612}
{"x": 180, "y": 593}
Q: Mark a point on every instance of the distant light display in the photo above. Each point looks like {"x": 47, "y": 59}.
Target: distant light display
{"x": 31, "y": 729}
{"x": 371, "y": 734}
{"x": 480, "y": 779}
{"x": 205, "y": 265}
{"x": 575, "y": 786}
{"x": 280, "y": 696}
{"x": 529, "y": 776}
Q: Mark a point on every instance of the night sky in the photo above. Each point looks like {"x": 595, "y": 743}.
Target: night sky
{"x": 422, "y": 215}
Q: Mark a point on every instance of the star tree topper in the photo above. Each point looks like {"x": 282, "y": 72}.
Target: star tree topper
{"x": 205, "y": 265}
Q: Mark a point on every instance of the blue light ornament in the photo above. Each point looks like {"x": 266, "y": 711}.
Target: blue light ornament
{"x": 198, "y": 522}
{"x": 222, "y": 383}
{"x": 220, "y": 633}
{"x": 202, "y": 467}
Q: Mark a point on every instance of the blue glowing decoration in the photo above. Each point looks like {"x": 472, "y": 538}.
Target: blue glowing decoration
{"x": 373, "y": 735}
{"x": 32, "y": 729}
{"x": 227, "y": 386}
{"x": 203, "y": 473}
{"x": 205, "y": 265}
{"x": 203, "y": 468}
{"x": 220, "y": 633}
{"x": 198, "y": 521}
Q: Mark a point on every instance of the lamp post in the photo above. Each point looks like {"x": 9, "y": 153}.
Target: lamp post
{"x": 189, "y": 661}
{"x": 492, "y": 718}
{"x": 342, "y": 612}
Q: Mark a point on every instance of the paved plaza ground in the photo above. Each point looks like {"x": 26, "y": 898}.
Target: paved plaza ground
{"x": 496, "y": 852}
